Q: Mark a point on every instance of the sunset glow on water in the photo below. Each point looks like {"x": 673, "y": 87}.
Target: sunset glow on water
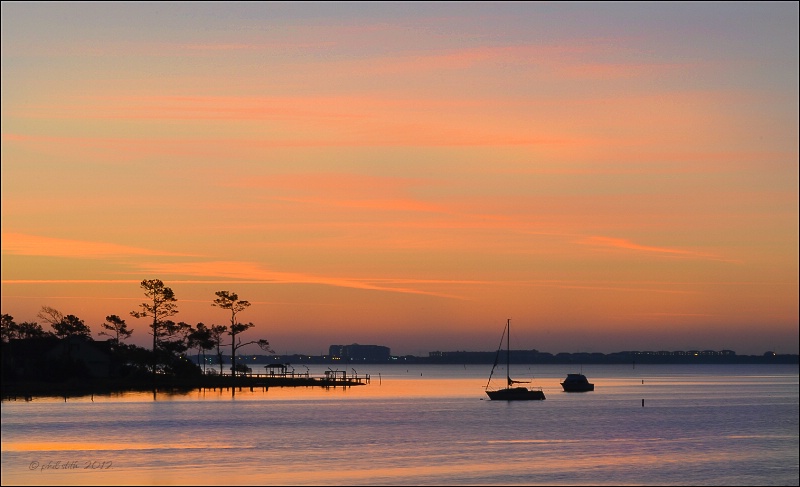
{"x": 720, "y": 425}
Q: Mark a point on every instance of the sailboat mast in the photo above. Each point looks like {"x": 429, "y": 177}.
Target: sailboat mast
{"x": 508, "y": 351}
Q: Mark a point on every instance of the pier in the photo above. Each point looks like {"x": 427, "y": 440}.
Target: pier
{"x": 278, "y": 373}
{"x": 284, "y": 375}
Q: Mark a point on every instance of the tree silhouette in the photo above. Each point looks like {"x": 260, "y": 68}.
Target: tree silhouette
{"x": 216, "y": 332}
{"x": 116, "y": 328}
{"x": 50, "y": 315}
{"x": 8, "y": 328}
{"x": 239, "y": 328}
{"x": 11, "y": 333}
{"x": 65, "y": 326}
{"x": 71, "y": 325}
{"x": 175, "y": 337}
{"x": 200, "y": 338}
{"x": 171, "y": 348}
{"x": 160, "y": 307}
{"x": 230, "y": 301}
{"x": 32, "y": 329}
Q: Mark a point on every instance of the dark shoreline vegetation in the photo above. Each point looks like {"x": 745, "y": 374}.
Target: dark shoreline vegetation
{"x": 69, "y": 361}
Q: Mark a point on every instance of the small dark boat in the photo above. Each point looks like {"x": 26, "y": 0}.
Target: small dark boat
{"x": 577, "y": 383}
{"x": 510, "y": 393}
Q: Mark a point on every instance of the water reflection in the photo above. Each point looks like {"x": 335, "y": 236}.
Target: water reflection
{"x": 436, "y": 428}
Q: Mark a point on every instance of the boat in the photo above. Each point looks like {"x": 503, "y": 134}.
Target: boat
{"x": 510, "y": 392}
{"x": 577, "y": 383}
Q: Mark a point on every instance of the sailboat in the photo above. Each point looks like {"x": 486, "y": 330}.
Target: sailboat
{"x": 510, "y": 392}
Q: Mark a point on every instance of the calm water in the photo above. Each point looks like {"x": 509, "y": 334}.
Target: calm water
{"x": 417, "y": 425}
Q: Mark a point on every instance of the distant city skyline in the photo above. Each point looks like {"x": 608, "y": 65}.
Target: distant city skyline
{"x": 442, "y": 353}
{"x": 608, "y": 175}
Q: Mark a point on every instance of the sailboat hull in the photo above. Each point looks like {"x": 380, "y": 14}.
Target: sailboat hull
{"x": 516, "y": 394}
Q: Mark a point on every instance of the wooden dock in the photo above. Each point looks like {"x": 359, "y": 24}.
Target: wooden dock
{"x": 278, "y": 373}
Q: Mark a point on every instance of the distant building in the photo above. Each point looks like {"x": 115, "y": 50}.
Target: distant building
{"x": 360, "y": 353}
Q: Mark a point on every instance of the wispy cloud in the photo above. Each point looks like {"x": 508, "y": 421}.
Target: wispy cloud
{"x": 575, "y": 59}
{"x": 255, "y": 273}
{"x": 35, "y": 245}
{"x": 341, "y": 190}
{"x": 602, "y": 242}
{"x": 336, "y": 121}
{"x": 673, "y": 315}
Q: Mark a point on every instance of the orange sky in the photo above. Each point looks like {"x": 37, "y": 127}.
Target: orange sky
{"x": 610, "y": 176}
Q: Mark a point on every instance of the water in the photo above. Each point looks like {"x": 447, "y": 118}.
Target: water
{"x": 425, "y": 425}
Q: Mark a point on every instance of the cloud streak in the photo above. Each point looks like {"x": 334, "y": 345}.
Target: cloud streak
{"x": 601, "y": 242}
{"x": 34, "y": 245}
{"x": 254, "y": 273}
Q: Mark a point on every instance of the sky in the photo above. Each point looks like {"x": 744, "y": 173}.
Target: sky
{"x": 609, "y": 176}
